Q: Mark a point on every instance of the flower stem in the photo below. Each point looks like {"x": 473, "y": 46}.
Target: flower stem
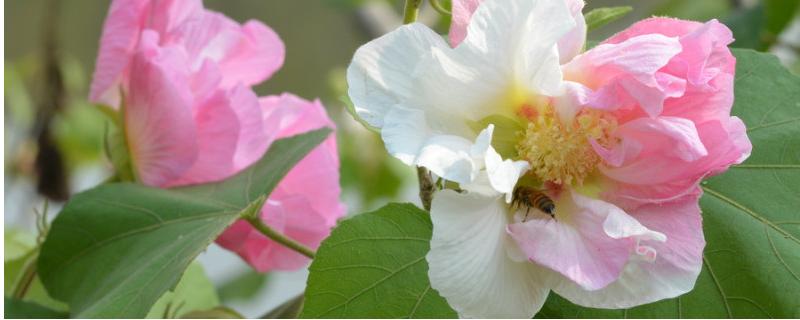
{"x": 426, "y": 187}
{"x": 25, "y": 281}
{"x": 411, "y": 11}
{"x": 253, "y": 218}
{"x": 439, "y": 8}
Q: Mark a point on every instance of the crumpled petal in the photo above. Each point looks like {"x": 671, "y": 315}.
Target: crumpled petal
{"x": 626, "y": 74}
{"x": 468, "y": 262}
{"x": 589, "y": 242}
{"x": 672, "y": 273}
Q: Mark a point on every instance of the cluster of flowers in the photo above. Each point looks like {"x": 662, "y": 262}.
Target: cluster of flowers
{"x": 181, "y": 77}
{"x": 579, "y": 171}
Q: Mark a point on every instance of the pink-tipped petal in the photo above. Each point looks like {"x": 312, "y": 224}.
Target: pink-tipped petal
{"x": 462, "y": 12}
{"x": 589, "y": 242}
{"x": 627, "y": 74}
{"x": 670, "y": 273}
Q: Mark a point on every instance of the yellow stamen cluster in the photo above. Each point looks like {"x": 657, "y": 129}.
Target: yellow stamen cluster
{"x": 559, "y": 152}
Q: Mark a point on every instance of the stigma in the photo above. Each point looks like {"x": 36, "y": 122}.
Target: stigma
{"x": 560, "y": 152}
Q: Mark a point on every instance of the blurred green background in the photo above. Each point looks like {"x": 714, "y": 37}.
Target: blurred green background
{"x": 320, "y": 38}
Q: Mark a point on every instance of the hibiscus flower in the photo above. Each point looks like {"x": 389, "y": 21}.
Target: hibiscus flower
{"x": 579, "y": 172}
{"x": 181, "y": 78}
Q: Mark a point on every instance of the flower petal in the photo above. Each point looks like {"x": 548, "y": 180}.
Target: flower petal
{"x": 118, "y": 44}
{"x": 382, "y": 72}
{"x": 672, "y": 273}
{"x": 159, "y": 125}
{"x": 218, "y": 134}
{"x": 503, "y": 174}
{"x": 520, "y": 37}
{"x": 408, "y": 137}
{"x": 469, "y": 264}
{"x": 569, "y": 45}
{"x": 626, "y": 74}
{"x": 661, "y": 176}
{"x": 589, "y": 242}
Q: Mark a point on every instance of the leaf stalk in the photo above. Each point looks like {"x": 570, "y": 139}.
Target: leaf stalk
{"x": 253, "y": 217}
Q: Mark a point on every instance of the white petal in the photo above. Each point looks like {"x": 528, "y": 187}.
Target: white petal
{"x": 671, "y": 273}
{"x": 408, "y": 136}
{"x": 503, "y": 174}
{"x": 521, "y": 36}
{"x": 381, "y": 74}
{"x": 469, "y": 263}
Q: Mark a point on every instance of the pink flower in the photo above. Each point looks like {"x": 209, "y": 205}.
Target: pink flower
{"x": 580, "y": 171}
{"x": 181, "y": 77}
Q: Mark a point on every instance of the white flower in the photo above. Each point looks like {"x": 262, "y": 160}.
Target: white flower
{"x": 496, "y": 115}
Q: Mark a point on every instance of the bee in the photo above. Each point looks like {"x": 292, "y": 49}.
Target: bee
{"x": 533, "y": 198}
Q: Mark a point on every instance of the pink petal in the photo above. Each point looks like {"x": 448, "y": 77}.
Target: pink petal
{"x": 462, "y": 12}
{"x": 626, "y": 74}
{"x": 254, "y": 138}
{"x": 166, "y": 15}
{"x": 256, "y": 57}
{"x": 159, "y": 125}
{"x": 121, "y": 29}
{"x": 246, "y": 54}
{"x": 589, "y": 242}
{"x": 218, "y": 135}
{"x": 673, "y": 271}
{"x": 661, "y": 177}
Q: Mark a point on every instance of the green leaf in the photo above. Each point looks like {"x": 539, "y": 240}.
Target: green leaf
{"x": 750, "y": 213}
{"x": 18, "y": 309}
{"x": 193, "y": 292}
{"x": 373, "y": 266}
{"x": 115, "y": 249}
{"x": 602, "y": 16}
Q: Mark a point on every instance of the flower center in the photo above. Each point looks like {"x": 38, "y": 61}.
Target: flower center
{"x": 559, "y": 152}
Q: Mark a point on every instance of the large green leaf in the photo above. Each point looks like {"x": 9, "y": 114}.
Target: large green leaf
{"x": 115, "y": 249}
{"x": 750, "y": 213}
{"x": 373, "y": 266}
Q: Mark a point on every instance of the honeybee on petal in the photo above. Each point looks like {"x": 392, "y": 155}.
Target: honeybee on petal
{"x": 533, "y": 198}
